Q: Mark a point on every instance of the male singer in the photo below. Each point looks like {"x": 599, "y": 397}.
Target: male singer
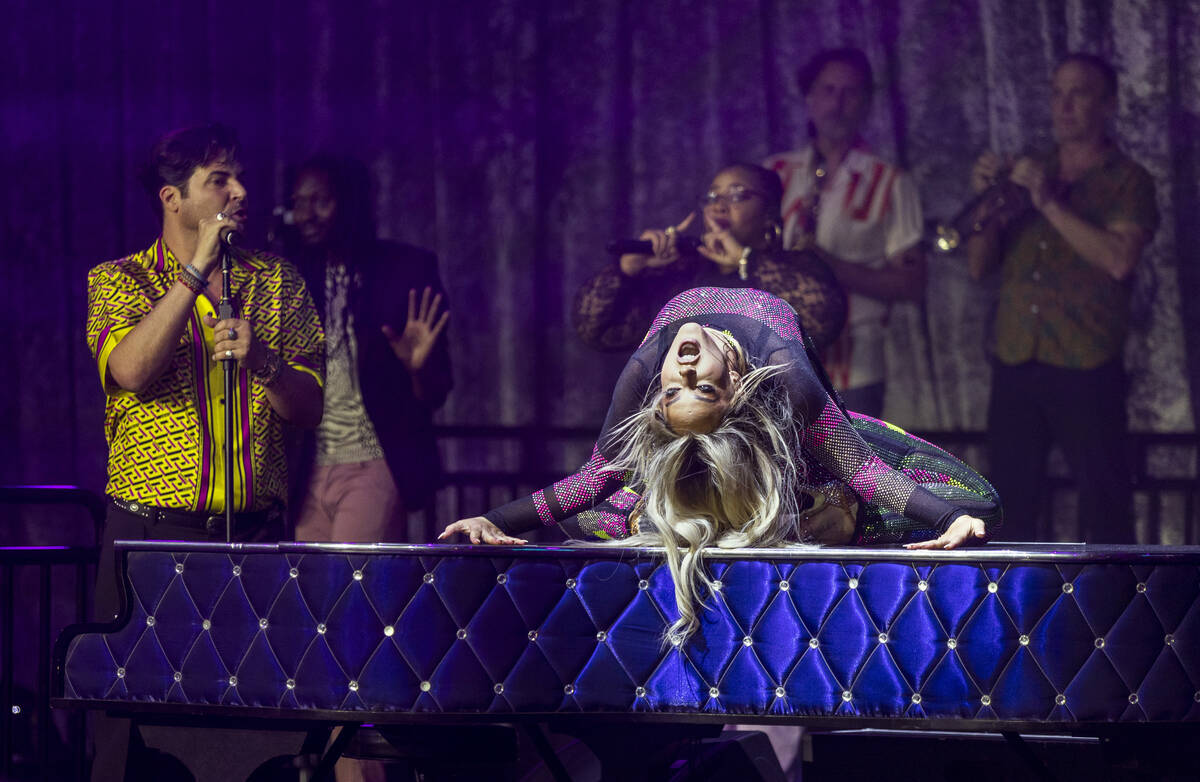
{"x": 160, "y": 348}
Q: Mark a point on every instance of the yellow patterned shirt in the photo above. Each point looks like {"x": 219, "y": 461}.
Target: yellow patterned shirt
{"x": 166, "y": 444}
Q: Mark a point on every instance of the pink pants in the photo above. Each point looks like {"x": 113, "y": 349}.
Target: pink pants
{"x": 351, "y": 503}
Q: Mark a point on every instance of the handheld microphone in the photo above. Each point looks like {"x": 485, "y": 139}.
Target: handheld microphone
{"x": 685, "y": 244}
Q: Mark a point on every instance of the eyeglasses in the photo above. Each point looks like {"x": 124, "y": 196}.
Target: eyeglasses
{"x": 736, "y": 194}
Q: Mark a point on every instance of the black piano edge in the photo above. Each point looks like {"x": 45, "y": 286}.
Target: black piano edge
{"x": 249, "y": 717}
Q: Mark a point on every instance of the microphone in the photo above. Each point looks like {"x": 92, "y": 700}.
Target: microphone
{"x": 685, "y": 244}
{"x": 231, "y": 237}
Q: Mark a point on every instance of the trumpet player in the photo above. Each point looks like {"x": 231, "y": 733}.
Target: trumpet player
{"x": 1065, "y": 263}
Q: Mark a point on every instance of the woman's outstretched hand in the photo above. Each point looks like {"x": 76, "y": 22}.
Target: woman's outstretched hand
{"x": 964, "y": 529}
{"x": 480, "y": 530}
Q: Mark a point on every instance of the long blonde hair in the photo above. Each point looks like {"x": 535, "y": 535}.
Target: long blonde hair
{"x": 733, "y": 487}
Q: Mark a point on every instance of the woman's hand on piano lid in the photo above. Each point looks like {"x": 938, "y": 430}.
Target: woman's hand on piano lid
{"x": 964, "y": 529}
{"x": 480, "y": 530}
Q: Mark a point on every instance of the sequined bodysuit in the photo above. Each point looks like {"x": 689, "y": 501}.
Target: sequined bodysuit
{"x": 767, "y": 329}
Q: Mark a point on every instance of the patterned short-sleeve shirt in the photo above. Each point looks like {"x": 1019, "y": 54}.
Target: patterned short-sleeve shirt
{"x": 867, "y": 212}
{"x": 166, "y": 443}
{"x": 1055, "y": 307}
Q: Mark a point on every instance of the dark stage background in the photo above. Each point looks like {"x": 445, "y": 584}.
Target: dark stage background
{"x": 515, "y": 137}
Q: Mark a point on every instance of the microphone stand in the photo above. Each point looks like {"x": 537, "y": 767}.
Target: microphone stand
{"x": 224, "y": 312}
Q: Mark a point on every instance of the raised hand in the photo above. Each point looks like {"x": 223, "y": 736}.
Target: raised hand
{"x": 421, "y": 330}
{"x": 208, "y": 237}
{"x": 986, "y": 171}
{"x": 666, "y": 249}
{"x": 719, "y": 246}
{"x": 1030, "y": 174}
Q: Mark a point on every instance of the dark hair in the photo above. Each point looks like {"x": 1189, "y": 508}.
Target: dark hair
{"x": 847, "y": 55}
{"x": 766, "y": 180}
{"x": 351, "y": 184}
{"x": 177, "y": 154}
{"x": 1108, "y": 74}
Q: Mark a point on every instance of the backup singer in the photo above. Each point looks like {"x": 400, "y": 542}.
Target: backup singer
{"x": 373, "y": 457}
{"x": 741, "y": 247}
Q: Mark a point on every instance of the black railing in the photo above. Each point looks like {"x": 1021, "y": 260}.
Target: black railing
{"x": 492, "y": 465}
{"x": 42, "y": 589}
{"x": 1163, "y": 468}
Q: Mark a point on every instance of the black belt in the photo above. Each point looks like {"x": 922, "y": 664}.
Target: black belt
{"x": 209, "y": 522}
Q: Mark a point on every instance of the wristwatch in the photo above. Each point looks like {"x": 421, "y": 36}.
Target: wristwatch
{"x": 270, "y": 371}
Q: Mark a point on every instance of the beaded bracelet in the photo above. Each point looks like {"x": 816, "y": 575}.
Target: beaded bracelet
{"x": 191, "y": 282}
{"x": 268, "y": 374}
{"x": 191, "y": 268}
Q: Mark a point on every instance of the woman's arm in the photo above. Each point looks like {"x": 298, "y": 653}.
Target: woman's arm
{"x": 590, "y": 484}
{"x": 830, "y": 438}
{"x": 841, "y": 449}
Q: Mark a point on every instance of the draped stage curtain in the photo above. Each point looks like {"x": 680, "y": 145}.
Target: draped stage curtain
{"x": 515, "y": 137}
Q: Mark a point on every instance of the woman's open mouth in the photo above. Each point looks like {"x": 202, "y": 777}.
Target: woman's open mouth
{"x": 689, "y": 351}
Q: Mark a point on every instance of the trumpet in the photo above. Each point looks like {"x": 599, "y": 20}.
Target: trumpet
{"x": 1003, "y": 200}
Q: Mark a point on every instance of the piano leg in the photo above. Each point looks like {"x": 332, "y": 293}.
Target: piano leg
{"x": 333, "y": 753}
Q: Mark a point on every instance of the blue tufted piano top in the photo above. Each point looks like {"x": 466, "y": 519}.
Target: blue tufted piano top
{"x": 1053, "y": 636}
